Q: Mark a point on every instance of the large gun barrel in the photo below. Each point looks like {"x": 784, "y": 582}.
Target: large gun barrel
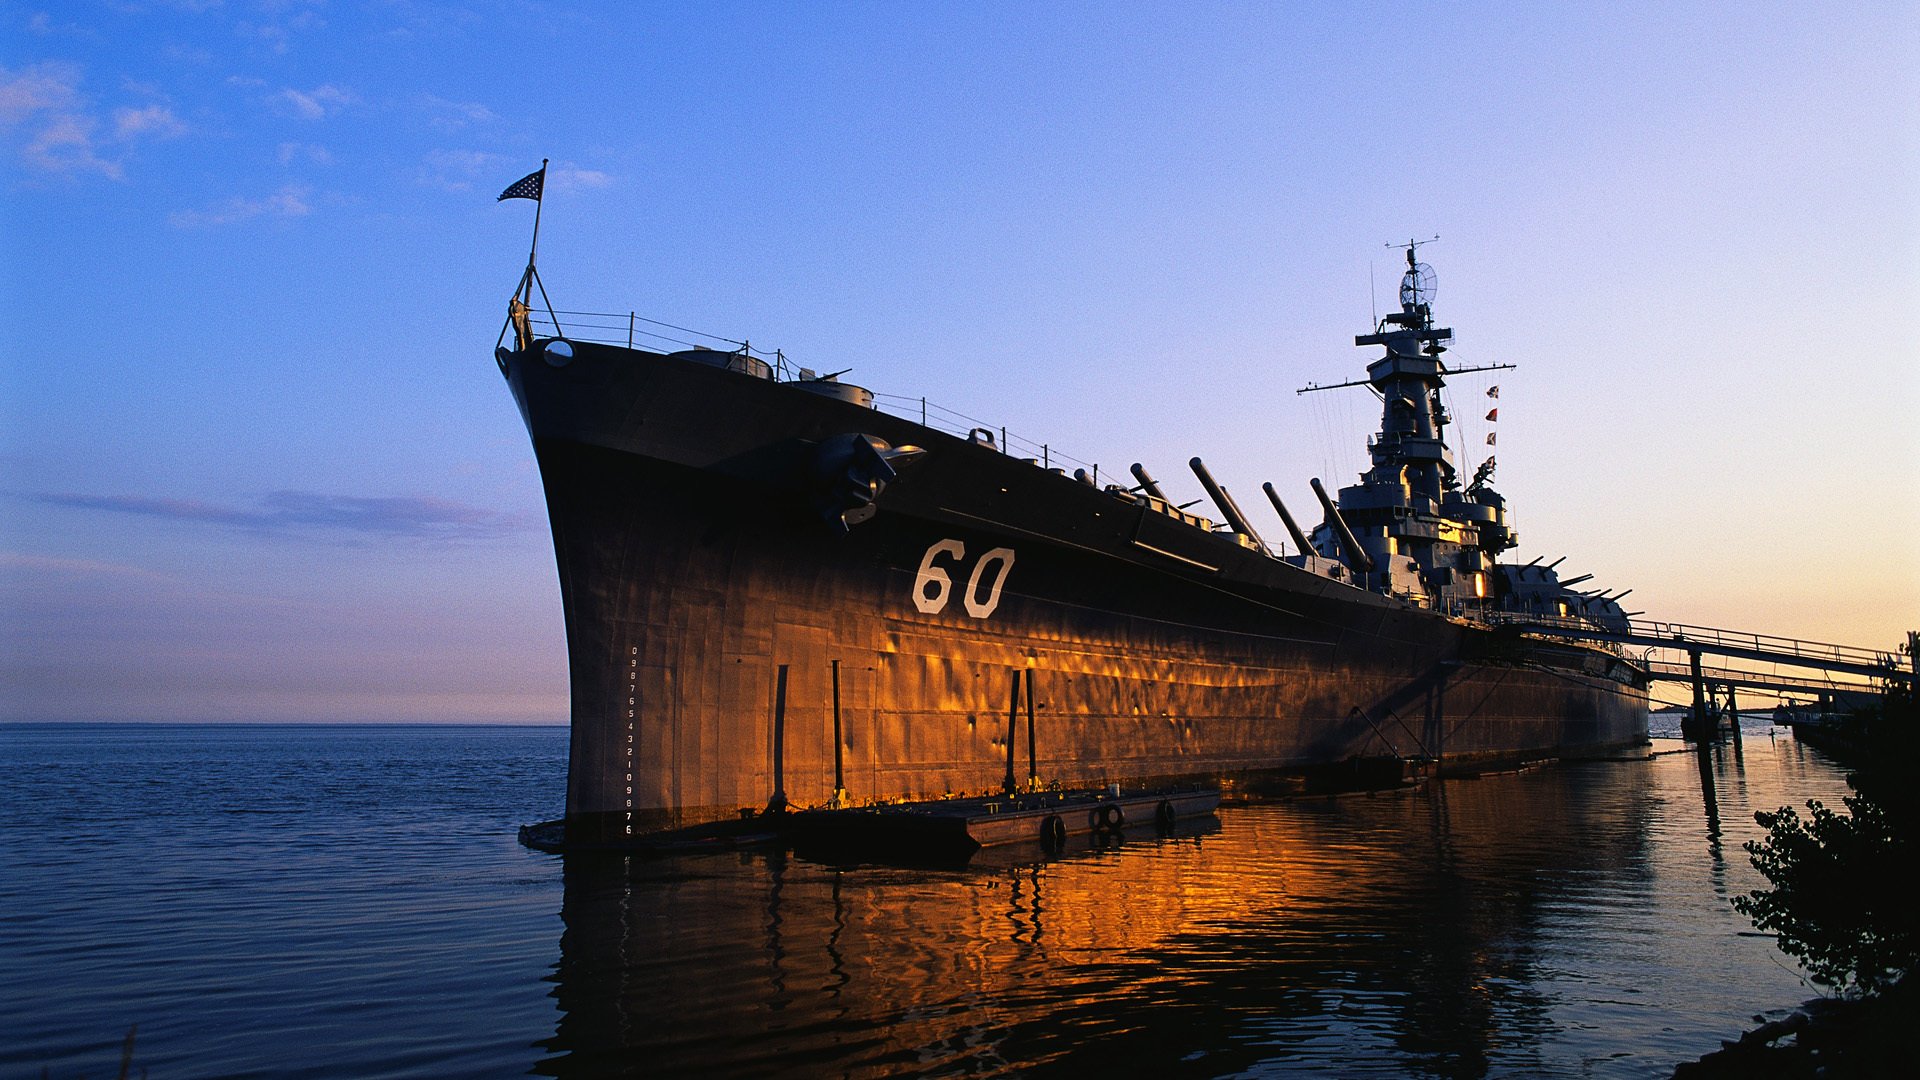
{"x": 1357, "y": 556}
{"x": 1235, "y": 519}
{"x": 1146, "y": 482}
{"x": 1286, "y": 519}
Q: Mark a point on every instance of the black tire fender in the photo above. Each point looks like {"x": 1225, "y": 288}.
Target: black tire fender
{"x": 1053, "y": 833}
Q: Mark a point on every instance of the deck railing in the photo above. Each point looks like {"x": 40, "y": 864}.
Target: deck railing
{"x": 632, "y": 330}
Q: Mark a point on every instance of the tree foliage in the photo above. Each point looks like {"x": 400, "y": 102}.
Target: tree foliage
{"x": 1841, "y": 902}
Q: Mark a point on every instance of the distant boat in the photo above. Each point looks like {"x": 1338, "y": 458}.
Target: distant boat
{"x": 752, "y": 560}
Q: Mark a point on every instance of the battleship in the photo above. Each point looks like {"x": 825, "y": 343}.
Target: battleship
{"x": 777, "y": 594}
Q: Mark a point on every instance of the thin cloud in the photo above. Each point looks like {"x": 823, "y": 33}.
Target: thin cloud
{"x": 291, "y": 152}
{"x": 45, "y": 566}
{"x": 567, "y": 177}
{"x": 154, "y": 121}
{"x": 44, "y": 102}
{"x": 38, "y": 88}
{"x": 41, "y": 23}
{"x": 277, "y": 36}
{"x": 288, "y": 202}
{"x": 466, "y": 170}
{"x": 454, "y": 115}
{"x": 187, "y": 54}
{"x": 62, "y": 132}
{"x": 316, "y": 514}
{"x": 463, "y": 170}
{"x": 315, "y": 104}
{"x": 65, "y": 144}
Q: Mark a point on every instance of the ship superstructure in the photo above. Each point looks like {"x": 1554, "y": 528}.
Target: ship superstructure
{"x": 1409, "y": 528}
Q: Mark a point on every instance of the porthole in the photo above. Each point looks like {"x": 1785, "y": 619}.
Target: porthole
{"x": 559, "y": 353}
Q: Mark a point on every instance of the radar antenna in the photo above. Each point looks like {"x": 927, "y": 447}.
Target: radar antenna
{"x": 1417, "y": 285}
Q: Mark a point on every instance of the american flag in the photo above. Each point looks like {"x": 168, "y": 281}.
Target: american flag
{"x": 527, "y": 187}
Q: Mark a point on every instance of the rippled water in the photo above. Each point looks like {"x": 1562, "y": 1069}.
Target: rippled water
{"x": 350, "y": 901}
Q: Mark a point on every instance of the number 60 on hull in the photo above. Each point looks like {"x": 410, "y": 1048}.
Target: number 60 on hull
{"x": 933, "y": 585}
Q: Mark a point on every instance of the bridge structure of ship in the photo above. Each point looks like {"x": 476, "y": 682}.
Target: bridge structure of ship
{"x": 1826, "y": 673}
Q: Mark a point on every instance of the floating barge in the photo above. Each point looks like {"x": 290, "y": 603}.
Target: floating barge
{"x": 1047, "y": 818}
{"x": 930, "y": 829}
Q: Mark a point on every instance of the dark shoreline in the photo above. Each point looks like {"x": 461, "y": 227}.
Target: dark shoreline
{"x": 1825, "y": 1037}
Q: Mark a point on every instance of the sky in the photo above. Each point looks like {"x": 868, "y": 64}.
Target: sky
{"x": 256, "y": 461}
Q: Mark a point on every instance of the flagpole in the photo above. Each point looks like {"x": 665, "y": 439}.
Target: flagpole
{"x": 531, "y": 186}
{"x": 539, "y": 204}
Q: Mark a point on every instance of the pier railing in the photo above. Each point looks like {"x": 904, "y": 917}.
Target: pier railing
{"x": 1776, "y": 681}
{"x": 1655, "y": 636}
{"x": 1772, "y": 644}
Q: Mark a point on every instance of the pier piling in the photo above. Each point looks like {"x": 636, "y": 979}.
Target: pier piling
{"x": 1698, "y": 725}
{"x": 1033, "y": 762}
{"x": 839, "y": 765}
{"x": 778, "y": 803}
{"x": 1013, "y": 728}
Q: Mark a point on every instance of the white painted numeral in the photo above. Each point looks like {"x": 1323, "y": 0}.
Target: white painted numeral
{"x": 1001, "y": 559}
{"x": 933, "y": 586}
{"x": 935, "y": 576}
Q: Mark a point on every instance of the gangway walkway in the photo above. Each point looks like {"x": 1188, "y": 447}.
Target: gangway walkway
{"x": 1862, "y": 663}
{"x": 1773, "y": 682}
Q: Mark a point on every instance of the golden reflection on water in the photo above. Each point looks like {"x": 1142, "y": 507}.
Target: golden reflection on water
{"x": 1553, "y": 922}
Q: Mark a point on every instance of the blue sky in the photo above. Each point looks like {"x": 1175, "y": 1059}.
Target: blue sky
{"x": 256, "y": 461}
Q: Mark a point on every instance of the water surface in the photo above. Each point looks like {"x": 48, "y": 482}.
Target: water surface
{"x": 350, "y": 901}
